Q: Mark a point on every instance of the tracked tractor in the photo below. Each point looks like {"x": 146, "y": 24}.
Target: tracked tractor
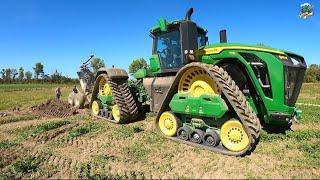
{"x": 213, "y": 96}
{"x": 82, "y": 98}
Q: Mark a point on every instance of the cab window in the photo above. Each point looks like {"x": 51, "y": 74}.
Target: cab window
{"x": 168, "y": 48}
{"x": 201, "y": 40}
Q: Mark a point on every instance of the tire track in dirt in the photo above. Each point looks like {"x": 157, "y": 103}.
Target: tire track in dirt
{"x": 21, "y": 124}
{"x": 10, "y": 154}
{"x": 63, "y": 165}
{"x": 52, "y": 134}
{"x": 28, "y": 148}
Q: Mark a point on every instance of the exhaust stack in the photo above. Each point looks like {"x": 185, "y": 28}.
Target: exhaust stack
{"x": 223, "y": 36}
{"x": 188, "y": 14}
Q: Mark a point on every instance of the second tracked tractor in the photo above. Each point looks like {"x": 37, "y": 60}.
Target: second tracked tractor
{"x": 214, "y": 96}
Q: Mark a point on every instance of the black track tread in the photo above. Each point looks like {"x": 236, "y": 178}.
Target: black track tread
{"x": 123, "y": 98}
{"x": 239, "y": 103}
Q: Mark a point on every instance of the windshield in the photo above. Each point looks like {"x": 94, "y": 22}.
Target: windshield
{"x": 169, "y": 50}
{"x": 201, "y": 40}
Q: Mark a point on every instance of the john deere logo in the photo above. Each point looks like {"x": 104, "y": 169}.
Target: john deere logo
{"x": 306, "y": 10}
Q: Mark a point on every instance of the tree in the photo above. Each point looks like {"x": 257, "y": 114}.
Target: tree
{"x": 14, "y": 73}
{"x": 312, "y": 73}
{"x": 137, "y": 64}
{"x": 56, "y": 77}
{"x": 38, "y": 69}
{"x": 3, "y": 73}
{"x": 8, "y": 74}
{"x": 97, "y": 63}
{"x": 21, "y": 74}
{"x": 28, "y": 75}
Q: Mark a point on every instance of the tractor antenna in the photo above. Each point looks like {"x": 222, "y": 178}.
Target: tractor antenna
{"x": 223, "y": 36}
{"x": 188, "y": 15}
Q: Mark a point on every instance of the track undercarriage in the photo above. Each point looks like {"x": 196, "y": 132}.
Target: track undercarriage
{"x": 113, "y": 100}
{"x": 232, "y": 132}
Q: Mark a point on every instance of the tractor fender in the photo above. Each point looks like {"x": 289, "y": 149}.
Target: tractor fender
{"x": 174, "y": 88}
{"x": 113, "y": 73}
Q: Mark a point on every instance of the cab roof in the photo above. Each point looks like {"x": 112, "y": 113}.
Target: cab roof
{"x": 163, "y": 24}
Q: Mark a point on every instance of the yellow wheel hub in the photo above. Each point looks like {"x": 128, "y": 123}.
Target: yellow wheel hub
{"x": 104, "y": 88}
{"x": 199, "y": 87}
{"x": 196, "y": 81}
{"x": 168, "y": 124}
{"x": 116, "y": 112}
{"x": 107, "y": 89}
{"x": 233, "y": 136}
{"x": 95, "y": 108}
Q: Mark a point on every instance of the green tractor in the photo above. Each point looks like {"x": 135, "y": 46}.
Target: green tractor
{"x": 213, "y": 96}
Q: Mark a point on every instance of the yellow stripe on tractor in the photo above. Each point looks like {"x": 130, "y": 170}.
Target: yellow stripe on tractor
{"x": 217, "y": 50}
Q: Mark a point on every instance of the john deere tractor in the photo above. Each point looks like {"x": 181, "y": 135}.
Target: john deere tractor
{"x": 214, "y": 96}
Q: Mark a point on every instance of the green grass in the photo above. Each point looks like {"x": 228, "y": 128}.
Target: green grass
{"x": 27, "y": 165}
{"x": 21, "y": 167}
{"x": 7, "y": 143}
{"x": 85, "y": 171}
{"x": 303, "y": 135}
{"x": 84, "y": 129}
{"x": 32, "y": 131}
{"x": 26, "y": 95}
{"x": 125, "y": 131}
{"x": 136, "y": 151}
{"x": 102, "y": 159}
{"x": 10, "y": 119}
{"x": 310, "y": 93}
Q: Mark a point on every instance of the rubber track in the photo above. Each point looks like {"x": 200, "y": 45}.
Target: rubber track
{"x": 240, "y": 105}
{"x": 123, "y": 98}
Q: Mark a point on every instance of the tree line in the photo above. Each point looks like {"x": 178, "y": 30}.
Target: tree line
{"x": 312, "y": 73}
{"x": 13, "y": 75}
{"x": 10, "y": 75}
{"x": 20, "y": 75}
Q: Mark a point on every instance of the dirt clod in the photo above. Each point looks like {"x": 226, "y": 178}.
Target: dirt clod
{"x": 55, "y": 108}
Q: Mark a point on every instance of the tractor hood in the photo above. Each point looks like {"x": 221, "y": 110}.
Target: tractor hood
{"x": 218, "y": 48}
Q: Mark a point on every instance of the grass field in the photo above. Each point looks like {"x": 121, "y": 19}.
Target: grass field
{"x": 27, "y": 95}
{"x": 80, "y": 147}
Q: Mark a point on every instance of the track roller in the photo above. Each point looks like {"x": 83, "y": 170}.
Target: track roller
{"x": 196, "y": 136}
{"x": 183, "y": 132}
{"x": 211, "y": 138}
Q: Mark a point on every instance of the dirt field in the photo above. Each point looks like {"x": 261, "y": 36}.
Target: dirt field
{"x": 32, "y": 146}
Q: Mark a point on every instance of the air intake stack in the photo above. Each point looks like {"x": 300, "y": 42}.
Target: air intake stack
{"x": 223, "y": 36}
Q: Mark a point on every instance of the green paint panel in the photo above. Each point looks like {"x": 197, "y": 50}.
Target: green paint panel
{"x": 141, "y": 73}
{"x": 105, "y": 99}
{"x": 162, "y": 24}
{"x": 204, "y": 106}
{"x": 155, "y": 64}
{"x": 265, "y": 105}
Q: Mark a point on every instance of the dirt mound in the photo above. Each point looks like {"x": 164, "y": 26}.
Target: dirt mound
{"x": 55, "y": 108}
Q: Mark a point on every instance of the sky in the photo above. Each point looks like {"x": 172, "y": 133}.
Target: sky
{"x": 61, "y": 34}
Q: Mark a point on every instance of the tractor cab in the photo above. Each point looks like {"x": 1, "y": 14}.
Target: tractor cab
{"x": 174, "y": 44}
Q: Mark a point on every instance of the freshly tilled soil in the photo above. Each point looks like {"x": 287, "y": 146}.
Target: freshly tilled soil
{"x": 55, "y": 108}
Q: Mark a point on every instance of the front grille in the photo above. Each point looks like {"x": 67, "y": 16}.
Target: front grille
{"x": 294, "y": 70}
